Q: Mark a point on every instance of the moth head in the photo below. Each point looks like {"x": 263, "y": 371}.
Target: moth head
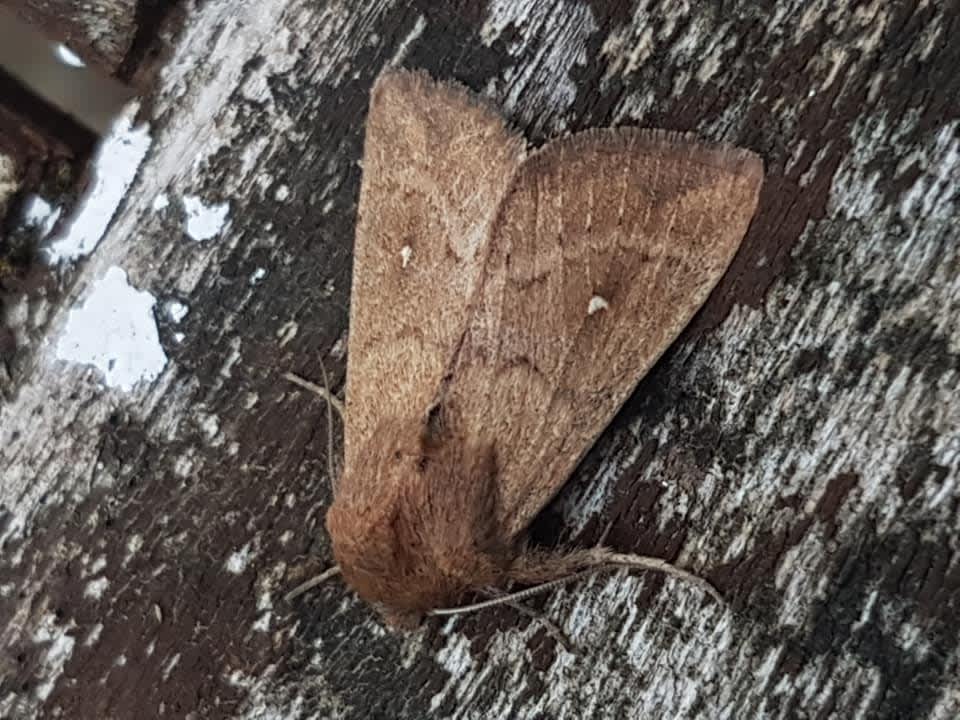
{"x": 416, "y": 527}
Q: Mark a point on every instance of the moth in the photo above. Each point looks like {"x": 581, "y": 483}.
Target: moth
{"x": 505, "y": 303}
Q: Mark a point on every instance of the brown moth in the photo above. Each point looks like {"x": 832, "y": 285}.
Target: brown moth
{"x": 505, "y": 304}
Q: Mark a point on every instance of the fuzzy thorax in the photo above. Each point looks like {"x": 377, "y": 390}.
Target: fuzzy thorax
{"x": 420, "y": 531}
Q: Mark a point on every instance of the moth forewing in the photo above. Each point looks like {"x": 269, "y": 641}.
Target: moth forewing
{"x": 503, "y": 308}
{"x": 580, "y": 296}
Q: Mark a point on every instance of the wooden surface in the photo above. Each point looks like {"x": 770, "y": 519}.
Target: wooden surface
{"x": 101, "y": 32}
{"x": 122, "y": 39}
{"x": 799, "y": 445}
{"x": 9, "y": 179}
{"x": 32, "y": 57}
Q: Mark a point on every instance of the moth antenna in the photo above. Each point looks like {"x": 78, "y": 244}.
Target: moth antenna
{"x": 311, "y": 583}
{"x": 511, "y": 599}
{"x": 326, "y": 386}
{"x": 644, "y": 562}
{"x": 599, "y": 559}
{"x": 323, "y": 392}
{"x": 332, "y": 402}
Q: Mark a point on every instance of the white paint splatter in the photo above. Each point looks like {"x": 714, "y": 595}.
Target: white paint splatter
{"x": 115, "y": 331}
{"x": 263, "y": 622}
{"x": 161, "y": 202}
{"x": 134, "y": 543}
{"x": 176, "y": 310}
{"x": 209, "y": 424}
{"x": 38, "y": 213}
{"x": 238, "y": 560}
{"x": 183, "y": 466}
{"x": 287, "y": 332}
{"x": 171, "y": 664}
{"x": 95, "y": 588}
{"x": 945, "y": 492}
{"x": 204, "y": 222}
{"x": 58, "y": 652}
{"x": 68, "y": 56}
{"x": 597, "y": 303}
{"x": 339, "y": 349}
{"x": 406, "y": 252}
{"x": 94, "y": 635}
{"x": 866, "y": 612}
{"x": 114, "y": 168}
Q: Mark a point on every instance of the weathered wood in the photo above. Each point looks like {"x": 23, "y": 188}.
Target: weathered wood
{"x": 100, "y": 32}
{"x": 121, "y": 38}
{"x": 46, "y": 153}
{"x": 29, "y": 57}
{"x": 38, "y": 137}
{"x": 9, "y": 179}
{"x": 799, "y": 445}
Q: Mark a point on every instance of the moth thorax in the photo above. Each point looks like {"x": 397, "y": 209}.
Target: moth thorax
{"x": 426, "y": 534}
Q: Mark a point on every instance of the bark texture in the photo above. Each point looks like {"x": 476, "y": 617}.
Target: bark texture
{"x": 800, "y": 445}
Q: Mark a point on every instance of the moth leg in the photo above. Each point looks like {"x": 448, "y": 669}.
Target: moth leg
{"x": 551, "y": 627}
{"x": 332, "y": 402}
{"x": 322, "y": 392}
{"x": 550, "y": 569}
{"x": 311, "y": 583}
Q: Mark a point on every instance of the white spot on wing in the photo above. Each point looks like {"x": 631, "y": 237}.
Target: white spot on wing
{"x": 406, "y": 252}
{"x": 597, "y": 303}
